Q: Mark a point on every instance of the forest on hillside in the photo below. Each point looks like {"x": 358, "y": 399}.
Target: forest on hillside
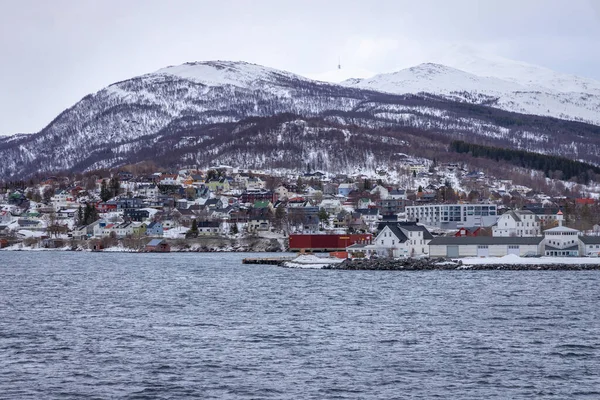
{"x": 552, "y": 166}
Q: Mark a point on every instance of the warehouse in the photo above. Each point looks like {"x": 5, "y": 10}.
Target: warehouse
{"x": 484, "y": 246}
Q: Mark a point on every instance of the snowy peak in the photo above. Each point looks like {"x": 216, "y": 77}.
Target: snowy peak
{"x": 489, "y": 65}
{"x": 524, "y": 88}
{"x": 433, "y": 78}
{"x": 235, "y": 73}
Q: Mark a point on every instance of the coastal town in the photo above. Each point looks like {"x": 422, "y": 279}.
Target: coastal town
{"x": 434, "y": 211}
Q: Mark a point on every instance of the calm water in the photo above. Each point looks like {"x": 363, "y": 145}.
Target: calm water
{"x": 76, "y": 325}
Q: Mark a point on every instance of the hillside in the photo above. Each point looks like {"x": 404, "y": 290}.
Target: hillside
{"x": 200, "y": 113}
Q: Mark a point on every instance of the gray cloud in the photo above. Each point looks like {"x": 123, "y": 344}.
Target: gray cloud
{"x": 55, "y": 52}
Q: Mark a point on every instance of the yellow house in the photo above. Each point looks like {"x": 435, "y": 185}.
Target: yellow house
{"x": 139, "y": 230}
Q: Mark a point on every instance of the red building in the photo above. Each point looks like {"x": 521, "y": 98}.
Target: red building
{"x": 251, "y": 196}
{"x": 327, "y": 242}
{"x": 584, "y": 201}
{"x": 469, "y": 232}
{"x": 106, "y": 207}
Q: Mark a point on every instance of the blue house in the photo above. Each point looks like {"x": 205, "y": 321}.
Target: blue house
{"x": 154, "y": 229}
{"x": 345, "y": 188}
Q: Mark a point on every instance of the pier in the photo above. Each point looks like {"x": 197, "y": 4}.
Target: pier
{"x": 266, "y": 261}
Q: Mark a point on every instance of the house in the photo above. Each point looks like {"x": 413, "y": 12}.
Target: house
{"x": 390, "y": 206}
{"x": 370, "y": 216}
{"x": 218, "y": 185}
{"x": 3, "y": 243}
{"x": 331, "y": 206}
{"x": 402, "y": 239}
{"x": 158, "y": 246}
{"x": 282, "y": 192}
{"x": 108, "y": 229}
{"x": 85, "y": 231}
{"x": 344, "y": 189}
{"x": 136, "y": 214}
{"x": 484, "y": 246}
{"x": 169, "y": 180}
{"x": 148, "y": 191}
{"x": 250, "y": 196}
{"x": 62, "y": 199}
{"x": 139, "y": 228}
{"x": 255, "y": 183}
{"x": 129, "y": 202}
{"x": 27, "y": 223}
{"x": 257, "y": 224}
{"x": 522, "y": 223}
{"x": 589, "y": 246}
{"x": 124, "y": 229}
{"x": 108, "y": 206}
{"x": 154, "y": 228}
{"x": 305, "y": 219}
{"x": 207, "y": 228}
{"x": 66, "y": 213}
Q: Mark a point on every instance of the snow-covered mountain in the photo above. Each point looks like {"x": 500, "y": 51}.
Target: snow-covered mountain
{"x": 497, "y": 82}
{"x": 174, "y": 113}
{"x": 485, "y": 64}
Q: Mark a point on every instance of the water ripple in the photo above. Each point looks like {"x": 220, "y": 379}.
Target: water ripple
{"x": 175, "y": 326}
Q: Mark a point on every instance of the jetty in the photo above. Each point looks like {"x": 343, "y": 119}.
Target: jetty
{"x": 267, "y": 261}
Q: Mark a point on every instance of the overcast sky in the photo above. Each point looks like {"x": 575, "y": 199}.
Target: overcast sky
{"x": 55, "y": 52}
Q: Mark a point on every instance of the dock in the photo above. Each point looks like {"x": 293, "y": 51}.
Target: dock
{"x": 267, "y": 261}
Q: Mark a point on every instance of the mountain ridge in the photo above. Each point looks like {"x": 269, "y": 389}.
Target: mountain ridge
{"x": 114, "y": 125}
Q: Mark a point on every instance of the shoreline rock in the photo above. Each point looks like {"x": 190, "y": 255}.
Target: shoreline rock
{"x": 441, "y": 264}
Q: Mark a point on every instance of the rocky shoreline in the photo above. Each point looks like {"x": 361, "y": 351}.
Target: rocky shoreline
{"x": 441, "y": 264}
{"x": 195, "y": 245}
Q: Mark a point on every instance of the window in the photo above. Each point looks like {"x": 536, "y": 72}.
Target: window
{"x": 393, "y": 242}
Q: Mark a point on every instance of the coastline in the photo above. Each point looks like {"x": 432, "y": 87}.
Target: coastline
{"x": 208, "y": 244}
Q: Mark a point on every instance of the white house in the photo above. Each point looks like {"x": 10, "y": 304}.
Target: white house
{"x": 282, "y": 192}
{"x": 401, "y": 239}
{"x": 398, "y": 194}
{"x": 149, "y": 191}
{"x": 124, "y": 229}
{"x": 522, "y": 223}
{"x": 332, "y": 206}
{"x": 590, "y": 246}
{"x": 63, "y": 199}
{"x": 370, "y": 216}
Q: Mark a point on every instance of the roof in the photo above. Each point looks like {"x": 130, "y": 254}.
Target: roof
{"x": 397, "y": 232}
{"x": 561, "y": 229}
{"x": 154, "y": 242}
{"x": 412, "y": 226}
{"x": 489, "y": 240}
{"x": 208, "y": 224}
{"x": 590, "y": 239}
{"x": 261, "y": 204}
{"x": 513, "y": 214}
